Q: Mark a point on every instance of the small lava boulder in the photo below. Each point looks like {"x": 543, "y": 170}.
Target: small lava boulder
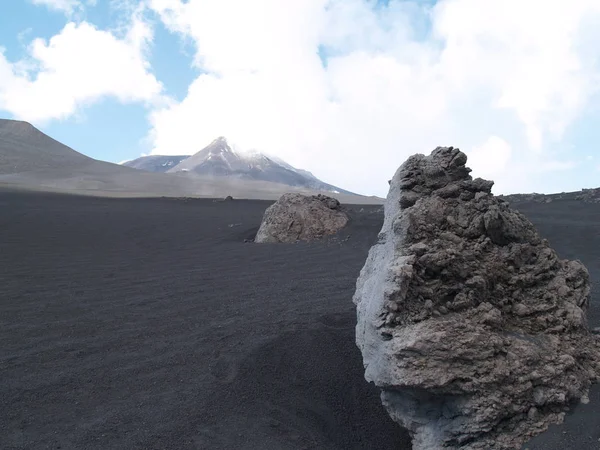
{"x": 297, "y": 217}
{"x": 469, "y": 323}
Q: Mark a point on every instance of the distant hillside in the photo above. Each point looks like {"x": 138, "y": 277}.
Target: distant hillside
{"x": 155, "y": 163}
{"x": 24, "y": 148}
{"x": 30, "y": 159}
{"x": 220, "y": 159}
{"x": 585, "y": 195}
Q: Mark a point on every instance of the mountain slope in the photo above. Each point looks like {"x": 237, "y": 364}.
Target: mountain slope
{"x": 219, "y": 159}
{"x": 30, "y": 159}
{"x": 311, "y": 181}
{"x": 155, "y": 163}
{"x": 24, "y": 148}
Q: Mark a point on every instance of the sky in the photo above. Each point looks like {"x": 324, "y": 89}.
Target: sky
{"x": 347, "y": 89}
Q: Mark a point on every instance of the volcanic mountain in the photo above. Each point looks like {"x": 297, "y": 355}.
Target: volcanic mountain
{"x": 219, "y": 159}
{"x": 32, "y": 160}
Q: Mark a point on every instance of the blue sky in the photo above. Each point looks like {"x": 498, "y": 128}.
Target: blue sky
{"x": 107, "y": 129}
{"x": 344, "y": 88}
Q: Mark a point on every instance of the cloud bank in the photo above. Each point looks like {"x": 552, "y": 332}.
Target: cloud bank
{"x": 501, "y": 79}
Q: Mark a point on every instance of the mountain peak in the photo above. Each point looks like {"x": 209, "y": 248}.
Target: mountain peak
{"x": 219, "y": 145}
{"x": 220, "y": 158}
{"x": 221, "y": 141}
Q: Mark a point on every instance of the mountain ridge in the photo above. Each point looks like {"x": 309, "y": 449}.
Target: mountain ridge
{"x": 221, "y": 159}
{"x": 31, "y": 160}
{"x": 25, "y": 148}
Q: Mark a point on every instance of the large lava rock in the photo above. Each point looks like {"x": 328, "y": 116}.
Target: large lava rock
{"x": 470, "y": 324}
{"x": 300, "y": 217}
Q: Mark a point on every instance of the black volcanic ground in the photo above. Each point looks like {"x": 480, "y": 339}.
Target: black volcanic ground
{"x": 150, "y": 324}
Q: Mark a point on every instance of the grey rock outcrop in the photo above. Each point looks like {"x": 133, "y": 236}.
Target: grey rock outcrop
{"x": 297, "y": 217}
{"x": 469, "y": 323}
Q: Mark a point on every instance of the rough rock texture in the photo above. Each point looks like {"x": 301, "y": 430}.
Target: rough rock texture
{"x": 299, "y": 217}
{"x": 470, "y": 324}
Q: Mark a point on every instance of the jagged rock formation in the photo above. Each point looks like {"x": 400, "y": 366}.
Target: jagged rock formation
{"x": 297, "y": 217}
{"x": 468, "y": 321}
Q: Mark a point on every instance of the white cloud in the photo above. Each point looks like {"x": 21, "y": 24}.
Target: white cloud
{"x": 556, "y": 166}
{"x": 491, "y": 158}
{"x": 500, "y": 79}
{"x": 534, "y": 66}
{"x": 66, "y": 6}
{"x": 75, "y": 68}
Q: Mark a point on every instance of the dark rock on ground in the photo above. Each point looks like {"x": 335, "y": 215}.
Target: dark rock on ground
{"x": 297, "y": 217}
{"x": 469, "y": 323}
